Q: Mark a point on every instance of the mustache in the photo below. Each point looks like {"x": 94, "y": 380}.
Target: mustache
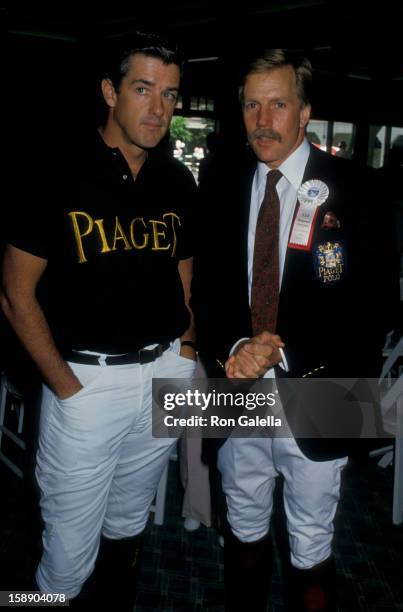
{"x": 265, "y": 133}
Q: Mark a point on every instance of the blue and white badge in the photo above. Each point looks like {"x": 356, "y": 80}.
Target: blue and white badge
{"x": 313, "y": 192}
{"x": 310, "y": 196}
{"x": 329, "y": 260}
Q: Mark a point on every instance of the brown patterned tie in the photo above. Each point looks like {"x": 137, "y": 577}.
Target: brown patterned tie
{"x": 265, "y": 280}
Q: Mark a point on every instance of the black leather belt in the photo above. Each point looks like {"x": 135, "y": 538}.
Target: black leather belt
{"x": 142, "y": 356}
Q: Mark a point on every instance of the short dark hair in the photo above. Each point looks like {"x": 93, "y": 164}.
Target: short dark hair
{"x": 117, "y": 60}
{"x": 269, "y": 59}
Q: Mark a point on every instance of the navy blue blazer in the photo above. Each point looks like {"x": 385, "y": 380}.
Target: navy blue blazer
{"x": 335, "y": 299}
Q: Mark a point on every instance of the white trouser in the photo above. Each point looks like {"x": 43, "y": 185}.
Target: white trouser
{"x": 194, "y": 473}
{"x": 311, "y": 493}
{"x": 98, "y": 466}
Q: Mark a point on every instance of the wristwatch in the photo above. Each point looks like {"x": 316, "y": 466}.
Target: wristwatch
{"x": 189, "y": 343}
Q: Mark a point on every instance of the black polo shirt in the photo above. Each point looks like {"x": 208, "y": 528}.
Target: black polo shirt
{"x": 112, "y": 245}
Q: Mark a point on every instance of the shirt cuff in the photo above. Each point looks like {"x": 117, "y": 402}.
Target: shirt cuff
{"x": 283, "y": 363}
{"x": 236, "y": 344}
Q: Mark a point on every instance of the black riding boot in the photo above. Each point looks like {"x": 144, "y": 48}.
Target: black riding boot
{"x": 247, "y": 574}
{"x": 82, "y": 601}
{"x": 117, "y": 572}
{"x": 312, "y": 590}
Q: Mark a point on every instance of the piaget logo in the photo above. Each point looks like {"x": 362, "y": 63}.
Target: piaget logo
{"x": 139, "y": 233}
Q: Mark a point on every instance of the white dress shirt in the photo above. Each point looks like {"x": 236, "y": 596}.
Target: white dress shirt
{"x": 292, "y": 169}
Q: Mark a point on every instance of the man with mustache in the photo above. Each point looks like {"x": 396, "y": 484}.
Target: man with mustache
{"x": 272, "y": 272}
{"x": 96, "y": 285}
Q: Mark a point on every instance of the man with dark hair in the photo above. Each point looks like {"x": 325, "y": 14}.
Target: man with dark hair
{"x": 273, "y": 270}
{"x": 96, "y": 285}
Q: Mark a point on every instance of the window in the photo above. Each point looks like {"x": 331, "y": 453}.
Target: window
{"x": 376, "y": 146}
{"x": 343, "y": 139}
{"x": 317, "y": 133}
{"x": 201, "y": 104}
{"x": 335, "y": 137}
{"x": 188, "y": 137}
{"x": 396, "y": 138}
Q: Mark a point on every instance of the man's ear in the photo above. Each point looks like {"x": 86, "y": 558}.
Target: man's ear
{"x": 108, "y": 92}
{"x": 305, "y": 115}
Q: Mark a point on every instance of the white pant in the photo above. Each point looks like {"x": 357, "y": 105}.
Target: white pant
{"x": 311, "y": 493}
{"x": 194, "y": 473}
{"x": 98, "y": 466}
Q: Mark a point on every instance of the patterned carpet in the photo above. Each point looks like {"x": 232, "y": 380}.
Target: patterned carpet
{"x": 183, "y": 571}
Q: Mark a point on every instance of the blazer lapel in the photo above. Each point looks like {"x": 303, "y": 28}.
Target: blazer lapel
{"x": 298, "y": 261}
{"x": 245, "y": 184}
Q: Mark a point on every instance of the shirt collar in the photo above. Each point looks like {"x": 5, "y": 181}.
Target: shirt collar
{"x": 292, "y": 168}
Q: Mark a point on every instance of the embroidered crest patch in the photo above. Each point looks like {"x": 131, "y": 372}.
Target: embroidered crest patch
{"x": 329, "y": 261}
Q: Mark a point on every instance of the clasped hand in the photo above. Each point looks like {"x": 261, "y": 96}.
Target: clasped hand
{"x": 252, "y": 358}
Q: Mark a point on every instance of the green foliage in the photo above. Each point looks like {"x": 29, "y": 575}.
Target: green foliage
{"x": 179, "y": 131}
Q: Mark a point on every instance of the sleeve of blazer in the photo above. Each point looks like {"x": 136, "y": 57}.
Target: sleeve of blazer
{"x": 219, "y": 302}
